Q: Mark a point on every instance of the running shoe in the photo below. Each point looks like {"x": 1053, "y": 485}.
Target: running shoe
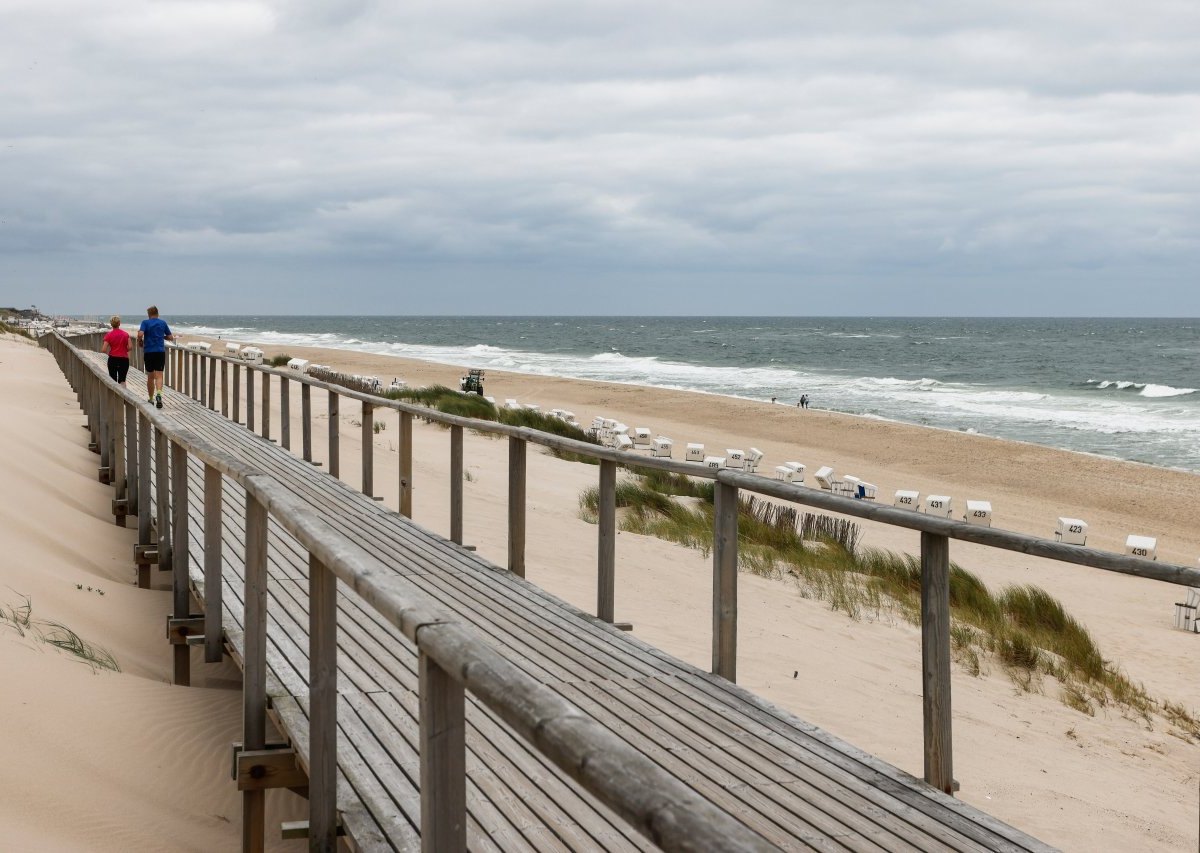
{"x": 158, "y": 400}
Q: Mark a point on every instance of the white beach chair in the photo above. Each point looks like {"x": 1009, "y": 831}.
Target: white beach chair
{"x": 907, "y": 499}
{"x": 1141, "y": 546}
{"x": 979, "y": 512}
{"x": 866, "y": 491}
{"x": 842, "y": 488}
{"x": 798, "y": 471}
{"x": 661, "y": 448}
{"x": 735, "y": 458}
{"x": 824, "y": 478}
{"x": 785, "y": 473}
{"x": 1187, "y": 617}
{"x": 694, "y": 453}
{"x": 941, "y": 506}
{"x": 1071, "y": 531}
{"x": 510, "y": 403}
{"x": 714, "y": 461}
{"x": 300, "y": 363}
{"x": 623, "y": 442}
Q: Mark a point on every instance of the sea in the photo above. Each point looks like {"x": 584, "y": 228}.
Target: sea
{"x": 1125, "y": 388}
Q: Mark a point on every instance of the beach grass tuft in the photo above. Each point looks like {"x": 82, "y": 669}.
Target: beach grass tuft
{"x": 453, "y": 402}
{"x": 1023, "y": 628}
{"x": 5, "y": 328}
{"x": 20, "y": 618}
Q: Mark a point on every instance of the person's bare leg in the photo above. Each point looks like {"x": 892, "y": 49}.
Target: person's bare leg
{"x": 150, "y": 385}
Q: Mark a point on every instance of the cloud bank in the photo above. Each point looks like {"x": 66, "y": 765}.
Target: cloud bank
{"x": 529, "y": 156}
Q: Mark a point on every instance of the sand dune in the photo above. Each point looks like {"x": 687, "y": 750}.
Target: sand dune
{"x": 96, "y": 760}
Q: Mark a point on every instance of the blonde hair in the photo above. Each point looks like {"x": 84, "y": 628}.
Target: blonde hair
{"x": 115, "y": 321}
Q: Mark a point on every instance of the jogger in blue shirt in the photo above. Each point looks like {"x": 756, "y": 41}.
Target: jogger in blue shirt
{"x": 152, "y": 337}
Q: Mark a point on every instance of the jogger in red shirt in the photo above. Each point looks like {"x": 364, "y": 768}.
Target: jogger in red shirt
{"x": 116, "y": 344}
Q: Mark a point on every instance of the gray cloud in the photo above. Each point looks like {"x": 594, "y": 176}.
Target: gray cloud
{"x": 858, "y": 157}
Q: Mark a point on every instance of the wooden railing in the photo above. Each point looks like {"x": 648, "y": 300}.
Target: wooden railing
{"x": 453, "y": 658}
{"x": 936, "y": 533}
{"x": 183, "y": 374}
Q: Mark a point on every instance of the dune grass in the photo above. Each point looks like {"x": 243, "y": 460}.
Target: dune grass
{"x": 1021, "y": 628}
{"x": 51, "y": 633}
{"x": 5, "y": 328}
{"x": 453, "y": 402}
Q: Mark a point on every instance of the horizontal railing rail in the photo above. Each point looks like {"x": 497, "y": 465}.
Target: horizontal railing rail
{"x": 453, "y": 657}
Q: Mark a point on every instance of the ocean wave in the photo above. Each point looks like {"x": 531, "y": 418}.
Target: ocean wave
{"x": 1143, "y": 389}
{"x": 1152, "y": 390}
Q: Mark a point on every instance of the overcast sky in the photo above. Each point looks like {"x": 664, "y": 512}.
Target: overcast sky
{"x": 520, "y": 156}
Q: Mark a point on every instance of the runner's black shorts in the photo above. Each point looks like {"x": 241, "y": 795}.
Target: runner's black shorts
{"x": 118, "y": 368}
{"x": 155, "y": 361}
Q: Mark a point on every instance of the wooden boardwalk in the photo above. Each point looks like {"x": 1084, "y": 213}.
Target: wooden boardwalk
{"x": 792, "y": 784}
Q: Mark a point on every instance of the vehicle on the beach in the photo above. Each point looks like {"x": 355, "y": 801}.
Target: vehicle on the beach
{"x": 472, "y": 383}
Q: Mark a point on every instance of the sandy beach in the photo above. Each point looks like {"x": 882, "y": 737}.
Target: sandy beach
{"x": 1103, "y": 782}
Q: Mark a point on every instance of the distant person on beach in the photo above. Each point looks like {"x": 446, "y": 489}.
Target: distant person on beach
{"x": 803, "y": 401}
{"x": 152, "y": 337}
{"x": 116, "y": 344}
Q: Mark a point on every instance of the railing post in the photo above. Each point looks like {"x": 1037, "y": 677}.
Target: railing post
{"x": 145, "y": 503}
{"x": 406, "y": 464}
{"x": 266, "y": 405}
{"x": 725, "y": 560}
{"x": 212, "y": 382}
{"x": 88, "y": 396}
{"x": 456, "y": 484}
{"x": 443, "y": 759}
{"x": 120, "y": 451}
{"x": 368, "y": 449}
{"x": 205, "y": 397}
{"x": 194, "y": 374}
{"x": 132, "y": 478}
{"x": 224, "y": 388}
{"x": 250, "y": 398}
{"x": 334, "y": 435}
{"x": 516, "y": 506}
{"x": 162, "y": 482}
{"x": 322, "y": 727}
{"x": 213, "y": 651}
{"x": 103, "y": 433}
{"x": 935, "y": 660}
{"x": 254, "y": 667}
{"x": 237, "y": 393}
{"x": 180, "y": 593}
{"x": 285, "y": 413}
{"x": 306, "y": 421}
{"x": 607, "y": 545}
